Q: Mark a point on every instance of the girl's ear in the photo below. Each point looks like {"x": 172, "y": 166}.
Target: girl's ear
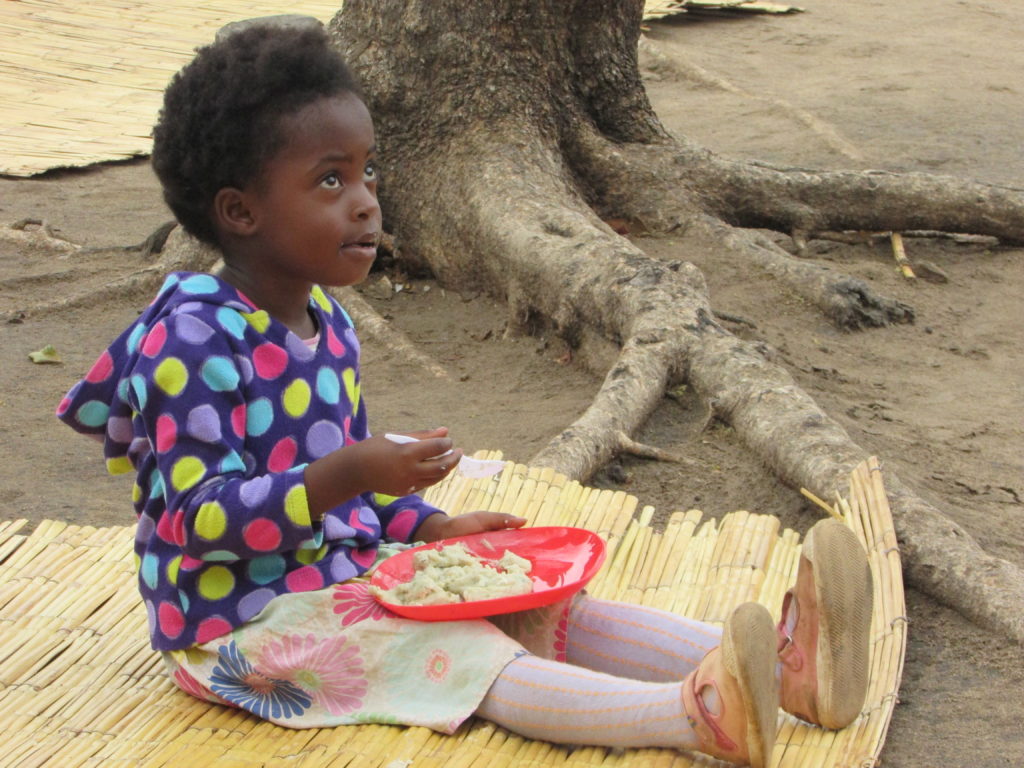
{"x": 232, "y": 212}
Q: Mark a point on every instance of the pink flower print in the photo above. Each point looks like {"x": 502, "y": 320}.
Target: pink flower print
{"x": 189, "y": 684}
{"x": 329, "y": 670}
{"x": 438, "y": 665}
{"x": 354, "y": 603}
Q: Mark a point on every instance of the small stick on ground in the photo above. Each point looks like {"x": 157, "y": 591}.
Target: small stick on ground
{"x": 900, "y": 254}
{"x": 822, "y": 503}
{"x": 644, "y": 451}
{"x": 957, "y": 237}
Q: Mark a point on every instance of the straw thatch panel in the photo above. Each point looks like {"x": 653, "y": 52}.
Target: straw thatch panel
{"x": 82, "y": 82}
{"x": 79, "y": 685}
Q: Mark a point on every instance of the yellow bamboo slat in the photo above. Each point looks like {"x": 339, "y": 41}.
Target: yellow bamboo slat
{"x": 79, "y": 685}
{"x": 693, "y": 597}
{"x": 9, "y": 541}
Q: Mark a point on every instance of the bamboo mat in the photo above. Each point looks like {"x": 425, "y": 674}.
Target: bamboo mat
{"x": 79, "y": 685}
{"x": 82, "y": 83}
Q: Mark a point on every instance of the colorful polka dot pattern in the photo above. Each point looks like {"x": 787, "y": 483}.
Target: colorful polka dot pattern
{"x": 218, "y": 408}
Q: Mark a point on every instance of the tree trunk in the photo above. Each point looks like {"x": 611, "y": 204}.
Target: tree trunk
{"x": 509, "y": 131}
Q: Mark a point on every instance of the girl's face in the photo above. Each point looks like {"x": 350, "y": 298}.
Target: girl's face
{"x": 315, "y": 203}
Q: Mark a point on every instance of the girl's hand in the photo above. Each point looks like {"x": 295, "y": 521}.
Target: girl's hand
{"x": 437, "y": 527}
{"x": 378, "y": 465}
{"x": 399, "y": 469}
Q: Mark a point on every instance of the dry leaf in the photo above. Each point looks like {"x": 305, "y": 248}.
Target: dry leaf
{"x": 45, "y": 355}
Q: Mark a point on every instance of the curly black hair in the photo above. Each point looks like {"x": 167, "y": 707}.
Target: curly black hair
{"x": 222, "y": 113}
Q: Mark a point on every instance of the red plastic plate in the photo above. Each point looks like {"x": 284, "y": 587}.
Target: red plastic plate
{"x": 564, "y": 560}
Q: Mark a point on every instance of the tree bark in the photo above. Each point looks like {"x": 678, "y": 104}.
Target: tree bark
{"x": 509, "y": 131}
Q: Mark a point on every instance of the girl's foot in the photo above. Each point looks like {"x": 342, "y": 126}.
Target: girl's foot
{"x": 731, "y": 699}
{"x": 823, "y": 636}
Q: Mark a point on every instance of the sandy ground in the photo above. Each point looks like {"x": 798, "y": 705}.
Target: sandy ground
{"x": 913, "y": 85}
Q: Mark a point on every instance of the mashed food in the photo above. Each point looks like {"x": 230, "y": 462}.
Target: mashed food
{"x": 453, "y": 574}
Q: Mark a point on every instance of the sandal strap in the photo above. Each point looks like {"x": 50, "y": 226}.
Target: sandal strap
{"x": 722, "y": 740}
{"x": 789, "y": 653}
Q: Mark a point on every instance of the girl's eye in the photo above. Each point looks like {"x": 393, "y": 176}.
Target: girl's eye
{"x": 370, "y": 172}
{"x": 331, "y": 181}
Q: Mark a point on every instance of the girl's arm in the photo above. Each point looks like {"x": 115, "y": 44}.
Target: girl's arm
{"x": 384, "y": 473}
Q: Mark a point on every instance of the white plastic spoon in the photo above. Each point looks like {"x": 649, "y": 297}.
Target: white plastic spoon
{"x": 468, "y": 467}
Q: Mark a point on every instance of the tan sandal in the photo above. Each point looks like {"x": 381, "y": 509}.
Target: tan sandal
{"x": 740, "y": 675}
{"x": 824, "y": 632}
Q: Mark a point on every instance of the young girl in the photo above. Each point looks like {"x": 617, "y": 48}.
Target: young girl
{"x": 263, "y": 501}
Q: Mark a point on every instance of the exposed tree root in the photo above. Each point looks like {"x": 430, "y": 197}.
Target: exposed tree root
{"x": 673, "y": 186}
{"x": 788, "y": 199}
{"x": 187, "y": 255}
{"x": 806, "y": 448}
{"x": 36, "y": 233}
{"x": 661, "y": 183}
{"x": 860, "y": 237}
{"x": 729, "y": 317}
{"x": 662, "y": 205}
{"x": 142, "y": 281}
{"x": 631, "y": 391}
{"x": 846, "y": 300}
{"x": 154, "y": 244}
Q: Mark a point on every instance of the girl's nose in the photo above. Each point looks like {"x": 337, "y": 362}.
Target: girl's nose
{"x": 365, "y": 204}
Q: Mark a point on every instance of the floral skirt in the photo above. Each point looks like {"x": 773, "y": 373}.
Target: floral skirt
{"x": 336, "y": 656}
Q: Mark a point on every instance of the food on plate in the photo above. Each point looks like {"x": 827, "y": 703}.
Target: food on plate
{"x": 453, "y": 574}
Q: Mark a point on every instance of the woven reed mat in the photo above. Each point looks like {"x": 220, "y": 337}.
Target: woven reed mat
{"x": 82, "y": 82}
{"x": 80, "y": 686}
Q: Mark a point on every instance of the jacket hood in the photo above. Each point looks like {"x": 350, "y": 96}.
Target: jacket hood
{"x": 100, "y": 405}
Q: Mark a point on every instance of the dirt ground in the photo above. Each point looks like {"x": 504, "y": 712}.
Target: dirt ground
{"x": 908, "y": 86}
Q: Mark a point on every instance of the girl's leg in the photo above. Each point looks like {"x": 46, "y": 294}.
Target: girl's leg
{"x": 565, "y": 704}
{"x": 633, "y": 641}
{"x": 726, "y": 707}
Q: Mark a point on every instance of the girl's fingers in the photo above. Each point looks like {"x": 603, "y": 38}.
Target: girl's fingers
{"x": 493, "y": 521}
{"x": 436, "y": 448}
{"x": 445, "y": 464}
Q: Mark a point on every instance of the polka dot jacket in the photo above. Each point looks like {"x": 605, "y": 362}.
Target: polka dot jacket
{"x": 217, "y": 408}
